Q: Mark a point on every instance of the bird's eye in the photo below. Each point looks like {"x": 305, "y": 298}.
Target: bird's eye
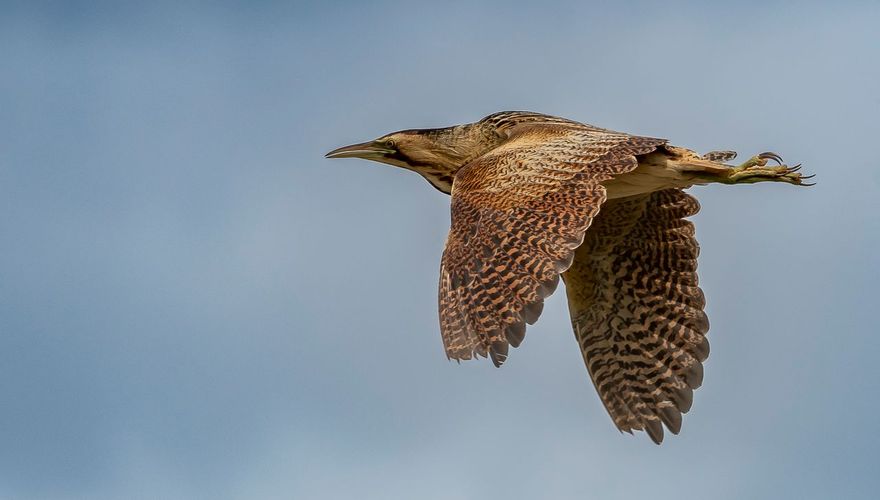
{"x": 390, "y": 143}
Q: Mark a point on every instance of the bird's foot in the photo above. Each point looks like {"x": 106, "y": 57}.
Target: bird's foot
{"x": 755, "y": 169}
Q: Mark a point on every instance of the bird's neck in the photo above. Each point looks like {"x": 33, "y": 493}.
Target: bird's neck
{"x": 445, "y": 151}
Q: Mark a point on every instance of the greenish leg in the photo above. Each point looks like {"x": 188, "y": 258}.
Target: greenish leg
{"x": 755, "y": 170}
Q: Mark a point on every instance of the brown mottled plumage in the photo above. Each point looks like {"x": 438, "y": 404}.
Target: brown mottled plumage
{"x": 637, "y": 311}
{"x": 535, "y": 197}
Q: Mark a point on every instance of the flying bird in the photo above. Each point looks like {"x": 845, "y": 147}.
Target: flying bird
{"x": 537, "y": 197}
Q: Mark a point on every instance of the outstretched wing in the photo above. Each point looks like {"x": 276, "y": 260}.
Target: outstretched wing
{"x": 518, "y": 214}
{"x": 637, "y": 311}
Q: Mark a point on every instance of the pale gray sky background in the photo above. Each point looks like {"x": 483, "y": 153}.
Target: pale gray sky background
{"x": 194, "y": 303}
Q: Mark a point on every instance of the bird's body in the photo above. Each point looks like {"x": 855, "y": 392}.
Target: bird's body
{"x": 536, "y": 197}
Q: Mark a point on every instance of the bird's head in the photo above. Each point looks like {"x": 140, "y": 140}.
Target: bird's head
{"x": 395, "y": 148}
{"x": 436, "y": 153}
{"x": 412, "y": 148}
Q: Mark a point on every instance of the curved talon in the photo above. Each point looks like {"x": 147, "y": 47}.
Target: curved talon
{"x": 768, "y": 155}
{"x": 794, "y": 168}
{"x": 803, "y": 177}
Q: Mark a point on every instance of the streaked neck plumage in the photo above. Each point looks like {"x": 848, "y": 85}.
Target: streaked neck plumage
{"x": 437, "y": 154}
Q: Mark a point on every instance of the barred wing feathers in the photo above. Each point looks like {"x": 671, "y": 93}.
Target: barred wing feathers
{"x": 518, "y": 214}
{"x": 637, "y": 310}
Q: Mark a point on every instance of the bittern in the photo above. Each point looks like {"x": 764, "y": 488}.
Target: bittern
{"x": 536, "y": 197}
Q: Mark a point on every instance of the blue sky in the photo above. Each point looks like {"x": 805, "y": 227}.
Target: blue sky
{"x": 194, "y": 303}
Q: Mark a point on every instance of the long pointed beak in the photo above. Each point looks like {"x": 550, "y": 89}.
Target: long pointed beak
{"x": 366, "y": 150}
